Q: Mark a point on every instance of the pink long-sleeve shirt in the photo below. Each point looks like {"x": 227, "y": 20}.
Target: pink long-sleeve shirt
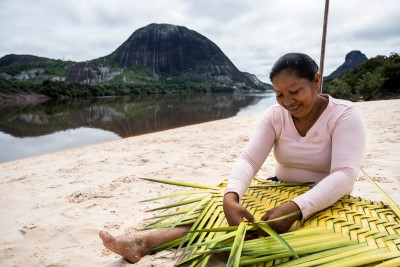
{"x": 330, "y": 154}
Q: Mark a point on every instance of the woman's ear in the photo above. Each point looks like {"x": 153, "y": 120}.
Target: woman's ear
{"x": 317, "y": 80}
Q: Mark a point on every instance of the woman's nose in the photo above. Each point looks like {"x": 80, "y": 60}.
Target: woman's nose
{"x": 287, "y": 100}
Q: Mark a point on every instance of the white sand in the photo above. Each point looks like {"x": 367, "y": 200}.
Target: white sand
{"x": 54, "y": 205}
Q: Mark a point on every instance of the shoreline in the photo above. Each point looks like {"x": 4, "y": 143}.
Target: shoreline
{"x": 55, "y": 204}
{"x": 21, "y": 98}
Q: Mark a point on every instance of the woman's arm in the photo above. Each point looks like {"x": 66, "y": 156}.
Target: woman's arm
{"x": 246, "y": 166}
{"x": 348, "y": 144}
{"x": 254, "y": 155}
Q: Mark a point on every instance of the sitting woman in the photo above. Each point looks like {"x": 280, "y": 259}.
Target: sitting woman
{"x": 315, "y": 138}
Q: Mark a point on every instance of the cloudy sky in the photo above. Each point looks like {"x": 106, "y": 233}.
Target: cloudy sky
{"x": 253, "y": 34}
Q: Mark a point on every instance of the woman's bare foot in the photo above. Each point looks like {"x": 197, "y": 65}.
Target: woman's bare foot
{"x": 131, "y": 248}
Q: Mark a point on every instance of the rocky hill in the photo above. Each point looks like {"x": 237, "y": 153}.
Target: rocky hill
{"x": 32, "y": 68}
{"x": 353, "y": 60}
{"x": 154, "y": 55}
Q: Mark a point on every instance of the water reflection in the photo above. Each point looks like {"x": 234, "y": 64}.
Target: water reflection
{"x": 124, "y": 117}
{"x": 265, "y": 102}
{"x": 13, "y": 148}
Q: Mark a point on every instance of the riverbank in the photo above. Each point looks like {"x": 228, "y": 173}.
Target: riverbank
{"x": 8, "y": 99}
{"x": 54, "y": 205}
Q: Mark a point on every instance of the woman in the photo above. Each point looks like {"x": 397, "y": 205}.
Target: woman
{"x": 315, "y": 137}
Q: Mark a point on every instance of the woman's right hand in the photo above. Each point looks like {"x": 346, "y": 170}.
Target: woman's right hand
{"x": 234, "y": 212}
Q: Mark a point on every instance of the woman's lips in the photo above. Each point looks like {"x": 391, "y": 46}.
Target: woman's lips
{"x": 293, "y": 108}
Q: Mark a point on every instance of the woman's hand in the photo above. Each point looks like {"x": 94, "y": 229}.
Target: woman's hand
{"x": 234, "y": 212}
{"x": 282, "y": 226}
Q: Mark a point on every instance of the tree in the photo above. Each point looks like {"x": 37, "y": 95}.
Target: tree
{"x": 370, "y": 84}
{"x": 391, "y": 71}
{"x": 338, "y": 88}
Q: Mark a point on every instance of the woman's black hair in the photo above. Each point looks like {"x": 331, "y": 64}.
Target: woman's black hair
{"x": 300, "y": 64}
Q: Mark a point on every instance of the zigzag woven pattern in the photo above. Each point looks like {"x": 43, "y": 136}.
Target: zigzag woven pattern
{"x": 366, "y": 230}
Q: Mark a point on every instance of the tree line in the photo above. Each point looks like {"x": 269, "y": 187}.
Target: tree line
{"x": 377, "y": 78}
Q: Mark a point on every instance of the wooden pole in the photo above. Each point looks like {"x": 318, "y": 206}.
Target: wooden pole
{"x": 321, "y": 64}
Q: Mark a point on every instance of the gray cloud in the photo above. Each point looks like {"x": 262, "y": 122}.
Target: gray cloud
{"x": 253, "y": 34}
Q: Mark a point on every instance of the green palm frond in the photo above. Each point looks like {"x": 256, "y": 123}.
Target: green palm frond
{"x": 352, "y": 232}
{"x": 237, "y": 245}
{"x": 184, "y": 184}
{"x": 266, "y": 228}
{"x": 194, "y": 192}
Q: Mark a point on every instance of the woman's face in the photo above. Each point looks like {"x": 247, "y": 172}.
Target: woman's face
{"x": 297, "y": 95}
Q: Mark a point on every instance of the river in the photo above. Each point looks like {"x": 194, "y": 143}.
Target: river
{"x": 34, "y": 129}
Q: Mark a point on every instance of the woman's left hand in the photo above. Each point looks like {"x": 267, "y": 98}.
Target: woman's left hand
{"x": 282, "y": 226}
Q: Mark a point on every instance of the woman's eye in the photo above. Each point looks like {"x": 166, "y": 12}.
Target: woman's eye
{"x": 294, "y": 92}
{"x": 298, "y": 90}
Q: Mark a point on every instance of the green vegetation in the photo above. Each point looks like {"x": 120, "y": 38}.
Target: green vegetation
{"x": 377, "y": 78}
{"x": 108, "y": 61}
{"x": 137, "y": 74}
{"x": 54, "y": 67}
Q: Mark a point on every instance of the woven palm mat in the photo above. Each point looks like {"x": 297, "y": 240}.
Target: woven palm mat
{"x": 352, "y": 232}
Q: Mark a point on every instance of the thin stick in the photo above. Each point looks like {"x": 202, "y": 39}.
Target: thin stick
{"x": 321, "y": 65}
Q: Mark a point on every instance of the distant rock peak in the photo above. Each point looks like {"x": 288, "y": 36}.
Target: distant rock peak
{"x": 352, "y": 60}
{"x": 163, "y": 29}
{"x": 166, "y": 48}
{"x": 354, "y": 54}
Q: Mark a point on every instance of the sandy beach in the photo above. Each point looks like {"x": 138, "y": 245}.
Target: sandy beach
{"x": 54, "y": 205}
